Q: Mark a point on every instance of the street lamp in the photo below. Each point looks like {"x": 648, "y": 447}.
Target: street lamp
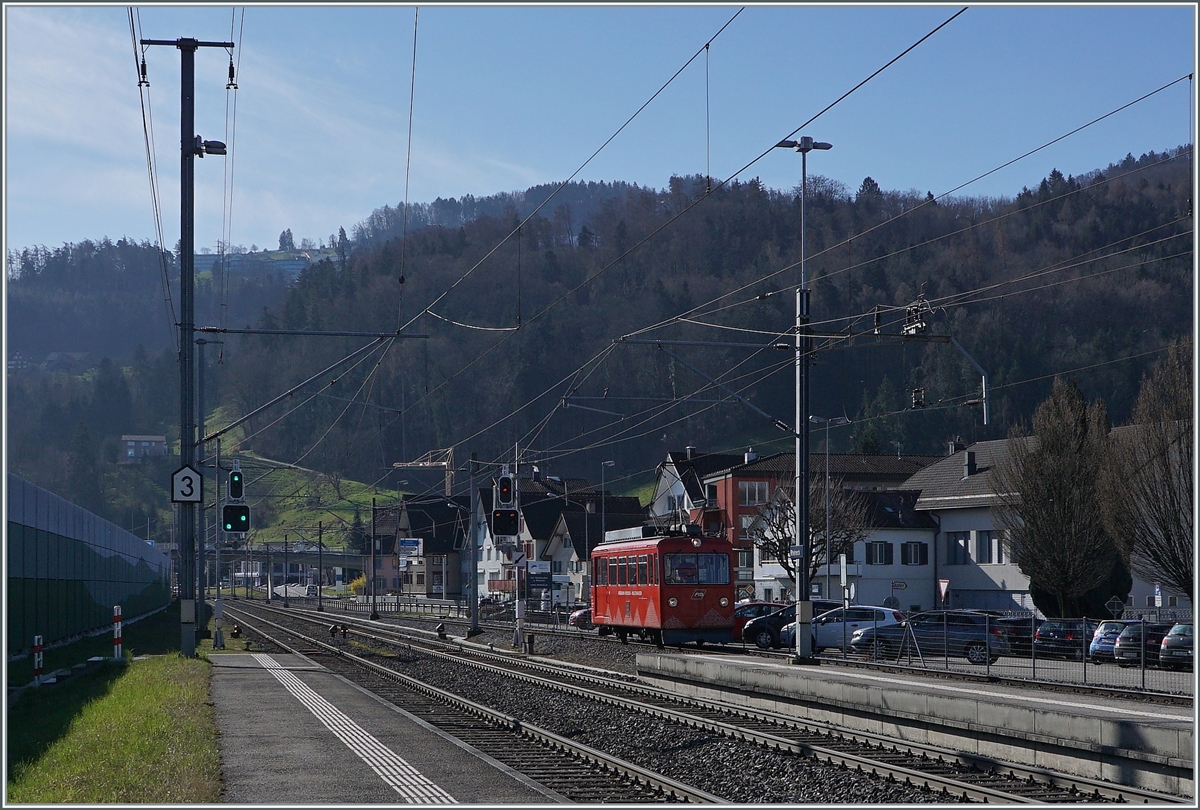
{"x": 837, "y": 420}
{"x": 803, "y": 345}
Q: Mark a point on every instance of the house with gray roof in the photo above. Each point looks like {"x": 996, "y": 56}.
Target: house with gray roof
{"x": 959, "y": 493}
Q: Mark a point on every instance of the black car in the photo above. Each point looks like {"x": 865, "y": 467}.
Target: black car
{"x": 764, "y": 630}
{"x": 1128, "y": 650}
{"x": 969, "y": 634}
{"x": 1064, "y": 638}
{"x": 1175, "y": 652}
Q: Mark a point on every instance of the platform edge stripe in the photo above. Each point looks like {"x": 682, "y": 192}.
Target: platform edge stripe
{"x": 364, "y": 745}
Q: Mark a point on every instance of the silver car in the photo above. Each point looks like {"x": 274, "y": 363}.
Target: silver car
{"x": 834, "y": 628}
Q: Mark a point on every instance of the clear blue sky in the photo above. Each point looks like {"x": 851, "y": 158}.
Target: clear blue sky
{"x": 507, "y": 97}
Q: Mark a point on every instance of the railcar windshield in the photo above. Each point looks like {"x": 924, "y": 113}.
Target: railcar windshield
{"x": 696, "y": 569}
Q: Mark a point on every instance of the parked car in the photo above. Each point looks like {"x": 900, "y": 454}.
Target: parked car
{"x": 764, "y": 630}
{"x": 961, "y": 633}
{"x": 1175, "y": 652}
{"x": 751, "y": 610}
{"x": 581, "y": 619}
{"x": 1021, "y": 630}
{"x": 1063, "y": 638}
{"x": 1128, "y": 649}
{"x": 835, "y": 627}
{"x": 1105, "y": 638}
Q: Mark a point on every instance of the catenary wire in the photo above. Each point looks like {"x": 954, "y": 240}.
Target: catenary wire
{"x": 666, "y": 224}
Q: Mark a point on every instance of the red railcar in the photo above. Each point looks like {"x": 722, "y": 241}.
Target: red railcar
{"x": 669, "y": 589}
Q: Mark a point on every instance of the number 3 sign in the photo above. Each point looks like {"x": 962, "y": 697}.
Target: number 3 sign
{"x": 186, "y": 486}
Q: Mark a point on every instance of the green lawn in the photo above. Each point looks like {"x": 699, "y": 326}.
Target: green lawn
{"x": 139, "y": 732}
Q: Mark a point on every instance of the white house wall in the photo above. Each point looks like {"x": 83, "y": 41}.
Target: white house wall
{"x": 994, "y": 586}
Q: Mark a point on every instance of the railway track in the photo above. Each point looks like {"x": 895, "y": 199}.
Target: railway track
{"x": 574, "y": 772}
{"x": 949, "y": 773}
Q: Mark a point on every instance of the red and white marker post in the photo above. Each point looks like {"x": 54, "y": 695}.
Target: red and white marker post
{"x": 117, "y": 632}
{"x": 37, "y": 660}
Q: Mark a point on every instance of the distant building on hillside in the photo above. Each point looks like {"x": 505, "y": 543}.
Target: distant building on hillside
{"x": 139, "y": 448}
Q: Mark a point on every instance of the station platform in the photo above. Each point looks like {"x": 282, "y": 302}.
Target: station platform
{"x": 1141, "y": 744}
{"x": 293, "y": 733}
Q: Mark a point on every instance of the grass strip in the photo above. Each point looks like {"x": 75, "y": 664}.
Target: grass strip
{"x": 142, "y": 732}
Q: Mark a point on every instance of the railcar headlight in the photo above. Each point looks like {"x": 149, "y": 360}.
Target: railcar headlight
{"x": 724, "y": 601}
{"x": 696, "y": 542}
{"x": 672, "y": 602}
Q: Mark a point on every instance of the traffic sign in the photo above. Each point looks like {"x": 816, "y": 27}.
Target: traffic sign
{"x": 796, "y": 552}
{"x": 187, "y": 486}
{"x": 410, "y": 546}
{"x": 898, "y": 585}
{"x": 1116, "y": 606}
{"x": 944, "y": 587}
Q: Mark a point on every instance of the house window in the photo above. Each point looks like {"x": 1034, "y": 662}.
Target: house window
{"x": 879, "y": 553}
{"x": 956, "y": 547}
{"x": 566, "y": 542}
{"x": 438, "y": 560}
{"x": 672, "y": 503}
{"x": 988, "y": 548}
{"x": 1172, "y": 601}
{"x": 752, "y": 493}
{"x": 745, "y": 559}
{"x": 744, "y": 521}
{"x": 420, "y": 579}
{"x": 556, "y": 566}
{"x": 1149, "y": 601}
{"x": 768, "y": 595}
{"x": 914, "y": 553}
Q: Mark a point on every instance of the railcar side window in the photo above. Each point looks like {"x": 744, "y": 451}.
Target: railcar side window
{"x": 612, "y": 570}
{"x": 621, "y": 571}
{"x": 697, "y": 569}
{"x": 601, "y": 575}
{"x": 643, "y": 575}
{"x": 653, "y": 569}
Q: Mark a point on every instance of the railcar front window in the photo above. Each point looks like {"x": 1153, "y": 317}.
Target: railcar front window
{"x": 697, "y": 569}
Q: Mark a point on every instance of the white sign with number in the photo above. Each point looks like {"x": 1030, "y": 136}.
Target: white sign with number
{"x": 187, "y": 486}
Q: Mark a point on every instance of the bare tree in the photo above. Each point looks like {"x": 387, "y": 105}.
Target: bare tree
{"x": 1049, "y": 487}
{"x": 1147, "y": 486}
{"x": 775, "y": 526}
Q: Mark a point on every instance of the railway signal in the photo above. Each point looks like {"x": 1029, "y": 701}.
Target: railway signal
{"x": 506, "y": 523}
{"x": 237, "y": 486}
{"x": 235, "y": 517}
{"x": 504, "y": 490}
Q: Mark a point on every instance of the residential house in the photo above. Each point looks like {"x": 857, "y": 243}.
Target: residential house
{"x": 19, "y": 362}
{"x": 542, "y": 501}
{"x": 959, "y": 493}
{"x": 723, "y": 494}
{"x": 136, "y": 449}
{"x": 440, "y": 524}
{"x": 69, "y": 362}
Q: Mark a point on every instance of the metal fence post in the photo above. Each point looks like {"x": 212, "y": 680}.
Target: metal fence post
{"x": 37, "y": 660}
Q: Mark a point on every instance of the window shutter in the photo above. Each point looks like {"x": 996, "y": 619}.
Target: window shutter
{"x": 887, "y": 554}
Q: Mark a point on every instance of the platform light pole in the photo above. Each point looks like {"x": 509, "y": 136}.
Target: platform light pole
{"x": 803, "y": 346}
{"x": 837, "y": 420}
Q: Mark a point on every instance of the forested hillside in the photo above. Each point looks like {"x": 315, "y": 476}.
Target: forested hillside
{"x": 1089, "y": 276}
